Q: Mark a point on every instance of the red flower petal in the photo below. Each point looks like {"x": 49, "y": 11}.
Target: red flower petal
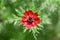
{"x": 37, "y": 20}
{"x": 23, "y": 22}
{"x": 24, "y": 18}
{"x": 28, "y": 13}
{"x": 28, "y": 25}
{"x": 34, "y": 24}
{"x": 35, "y": 15}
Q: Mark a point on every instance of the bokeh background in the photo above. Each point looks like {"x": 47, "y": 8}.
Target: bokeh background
{"x": 10, "y": 30}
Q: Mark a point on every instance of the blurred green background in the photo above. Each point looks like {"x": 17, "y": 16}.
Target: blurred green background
{"x": 10, "y": 30}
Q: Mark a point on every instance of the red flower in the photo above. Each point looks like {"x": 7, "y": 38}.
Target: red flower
{"x": 30, "y": 19}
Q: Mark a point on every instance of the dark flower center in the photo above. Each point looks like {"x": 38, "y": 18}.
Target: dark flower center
{"x": 30, "y": 19}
